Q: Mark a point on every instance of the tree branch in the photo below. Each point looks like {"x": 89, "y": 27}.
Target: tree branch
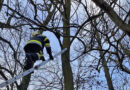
{"x": 113, "y": 15}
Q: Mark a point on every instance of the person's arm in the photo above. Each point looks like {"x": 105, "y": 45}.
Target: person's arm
{"x": 49, "y": 52}
{"x": 48, "y": 48}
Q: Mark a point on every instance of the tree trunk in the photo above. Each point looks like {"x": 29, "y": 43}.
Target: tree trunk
{"x": 1, "y": 2}
{"x": 66, "y": 67}
{"x": 107, "y": 74}
{"x": 25, "y": 82}
{"x": 104, "y": 64}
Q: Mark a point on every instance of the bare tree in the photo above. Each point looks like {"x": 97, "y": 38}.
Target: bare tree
{"x": 97, "y": 40}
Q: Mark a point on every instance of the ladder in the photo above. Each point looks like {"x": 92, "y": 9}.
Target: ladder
{"x": 10, "y": 81}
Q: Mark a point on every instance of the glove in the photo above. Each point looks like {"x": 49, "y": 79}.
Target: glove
{"x": 42, "y": 58}
{"x": 51, "y": 57}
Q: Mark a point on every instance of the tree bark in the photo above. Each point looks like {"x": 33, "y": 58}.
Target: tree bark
{"x": 66, "y": 67}
{"x": 1, "y": 2}
{"x": 25, "y": 82}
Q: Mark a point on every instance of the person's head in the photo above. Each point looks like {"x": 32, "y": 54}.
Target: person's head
{"x": 35, "y": 33}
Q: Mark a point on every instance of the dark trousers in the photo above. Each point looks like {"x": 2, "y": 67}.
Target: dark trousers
{"x": 30, "y": 60}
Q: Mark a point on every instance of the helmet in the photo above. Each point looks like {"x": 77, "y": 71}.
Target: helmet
{"x": 35, "y": 33}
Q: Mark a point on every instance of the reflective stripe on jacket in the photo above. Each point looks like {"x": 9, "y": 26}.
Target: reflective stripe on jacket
{"x": 38, "y": 41}
{"x": 35, "y": 41}
{"x": 41, "y": 40}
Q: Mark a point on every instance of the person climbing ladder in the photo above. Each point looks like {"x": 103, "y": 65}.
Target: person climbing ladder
{"x": 34, "y": 49}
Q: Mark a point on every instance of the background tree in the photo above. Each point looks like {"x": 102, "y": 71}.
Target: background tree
{"x": 98, "y": 47}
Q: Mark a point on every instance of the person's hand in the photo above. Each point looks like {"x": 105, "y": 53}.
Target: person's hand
{"x": 51, "y": 57}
